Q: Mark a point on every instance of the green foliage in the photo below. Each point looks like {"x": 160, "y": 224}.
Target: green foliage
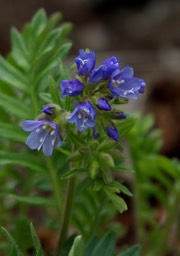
{"x": 158, "y": 181}
{"x": 36, "y": 55}
{"x": 77, "y": 247}
{"x": 30, "y": 240}
{"x": 15, "y": 246}
{"x": 36, "y": 241}
{"x": 133, "y": 251}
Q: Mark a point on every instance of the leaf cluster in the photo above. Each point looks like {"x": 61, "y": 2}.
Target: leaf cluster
{"x": 157, "y": 187}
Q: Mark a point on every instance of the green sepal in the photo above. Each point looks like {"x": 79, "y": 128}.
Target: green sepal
{"x": 94, "y": 169}
{"x": 106, "y": 159}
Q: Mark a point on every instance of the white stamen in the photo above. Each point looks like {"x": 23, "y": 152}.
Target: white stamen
{"x": 41, "y": 139}
{"x": 53, "y": 141}
{"x": 121, "y": 81}
{"x": 69, "y": 90}
{"x": 79, "y": 116}
{"x": 37, "y": 130}
{"x": 52, "y": 133}
{"x": 85, "y": 119}
{"x": 44, "y": 127}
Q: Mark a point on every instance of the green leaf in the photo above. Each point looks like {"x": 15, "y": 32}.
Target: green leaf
{"x": 19, "y": 50}
{"x": 14, "y": 106}
{"x": 117, "y": 201}
{"x": 73, "y": 172}
{"x": 46, "y": 97}
{"x": 13, "y": 242}
{"x": 117, "y": 187}
{"x": 54, "y": 19}
{"x": 120, "y": 168}
{"x": 36, "y": 241}
{"x": 54, "y": 91}
{"x": 33, "y": 200}
{"x": 53, "y": 61}
{"x": 106, "y": 246}
{"x": 133, "y": 251}
{"x": 21, "y": 159}
{"x": 12, "y": 76}
{"x": 64, "y": 151}
{"x": 126, "y": 125}
{"x": 12, "y": 132}
{"x": 77, "y": 249}
{"x": 38, "y": 23}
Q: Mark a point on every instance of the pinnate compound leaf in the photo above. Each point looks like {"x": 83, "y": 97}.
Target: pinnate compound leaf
{"x": 13, "y": 242}
{"x": 36, "y": 242}
{"x": 133, "y": 251}
{"x": 77, "y": 248}
{"x": 106, "y": 245}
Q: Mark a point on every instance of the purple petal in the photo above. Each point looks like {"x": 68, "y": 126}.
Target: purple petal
{"x": 103, "y": 104}
{"x": 112, "y": 132}
{"x": 30, "y": 125}
{"x": 36, "y": 139}
{"x": 85, "y": 62}
{"x": 48, "y": 110}
{"x": 49, "y": 143}
{"x": 71, "y": 87}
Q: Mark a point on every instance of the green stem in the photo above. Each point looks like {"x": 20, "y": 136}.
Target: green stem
{"x": 66, "y": 214}
{"x": 56, "y": 189}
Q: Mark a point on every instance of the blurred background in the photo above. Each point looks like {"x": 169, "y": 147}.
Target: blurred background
{"x": 144, "y": 34}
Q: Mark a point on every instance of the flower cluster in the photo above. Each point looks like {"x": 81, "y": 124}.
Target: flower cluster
{"x": 98, "y": 90}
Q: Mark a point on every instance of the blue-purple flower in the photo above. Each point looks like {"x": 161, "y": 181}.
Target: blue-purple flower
{"x": 123, "y": 84}
{"x": 104, "y": 71}
{"x": 85, "y": 62}
{"x": 71, "y": 87}
{"x": 48, "y": 109}
{"x": 103, "y": 104}
{"x": 143, "y": 84}
{"x": 83, "y": 116}
{"x": 44, "y": 134}
{"x": 112, "y": 132}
